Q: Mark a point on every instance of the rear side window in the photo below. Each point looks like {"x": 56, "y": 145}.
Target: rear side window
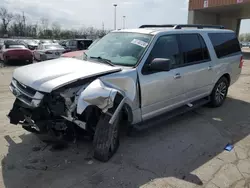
{"x": 225, "y": 44}
{"x": 194, "y": 49}
{"x": 87, "y": 43}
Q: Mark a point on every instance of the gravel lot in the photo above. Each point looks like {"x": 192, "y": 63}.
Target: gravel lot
{"x": 186, "y": 151}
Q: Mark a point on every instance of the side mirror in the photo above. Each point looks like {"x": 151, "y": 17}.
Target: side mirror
{"x": 160, "y": 64}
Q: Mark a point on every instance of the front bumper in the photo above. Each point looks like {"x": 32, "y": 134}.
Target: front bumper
{"x": 12, "y": 58}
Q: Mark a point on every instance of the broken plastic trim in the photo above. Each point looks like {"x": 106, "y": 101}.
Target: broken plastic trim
{"x": 116, "y": 113}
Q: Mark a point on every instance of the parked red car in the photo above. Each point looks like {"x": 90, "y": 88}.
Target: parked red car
{"x": 74, "y": 54}
{"x": 17, "y": 51}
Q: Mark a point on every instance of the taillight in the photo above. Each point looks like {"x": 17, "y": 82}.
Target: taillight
{"x": 48, "y": 52}
{"x": 241, "y": 62}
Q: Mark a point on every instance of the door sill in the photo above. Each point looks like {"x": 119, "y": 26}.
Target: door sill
{"x": 166, "y": 116}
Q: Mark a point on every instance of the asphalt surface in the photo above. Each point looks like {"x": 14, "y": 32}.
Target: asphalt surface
{"x": 187, "y": 151}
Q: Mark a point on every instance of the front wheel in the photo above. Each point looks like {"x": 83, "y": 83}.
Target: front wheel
{"x": 219, "y": 92}
{"x": 106, "y": 138}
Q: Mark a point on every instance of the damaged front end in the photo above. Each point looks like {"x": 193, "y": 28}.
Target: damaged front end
{"x": 61, "y": 112}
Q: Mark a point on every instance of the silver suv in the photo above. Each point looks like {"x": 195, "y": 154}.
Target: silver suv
{"x": 131, "y": 76}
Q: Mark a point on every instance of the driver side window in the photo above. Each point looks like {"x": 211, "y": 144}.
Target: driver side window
{"x": 166, "y": 47}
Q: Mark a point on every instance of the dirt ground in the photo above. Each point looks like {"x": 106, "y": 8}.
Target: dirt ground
{"x": 187, "y": 151}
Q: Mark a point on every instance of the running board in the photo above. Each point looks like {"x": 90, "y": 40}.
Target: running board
{"x": 171, "y": 114}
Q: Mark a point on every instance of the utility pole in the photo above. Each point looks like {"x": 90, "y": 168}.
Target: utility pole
{"x": 24, "y": 24}
{"x": 124, "y": 17}
{"x": 115, "y": 5}
{"x": 103, "y": 26}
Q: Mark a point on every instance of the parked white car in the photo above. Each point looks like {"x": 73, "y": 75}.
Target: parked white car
{"x": 48, "y": 51}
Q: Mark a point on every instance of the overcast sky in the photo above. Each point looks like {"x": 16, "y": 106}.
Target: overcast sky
{"x": 78, "y": 13}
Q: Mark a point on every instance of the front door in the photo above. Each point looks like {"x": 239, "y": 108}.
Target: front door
{"x": 161, "y": 91}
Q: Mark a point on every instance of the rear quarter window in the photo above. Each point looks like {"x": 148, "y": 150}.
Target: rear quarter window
{"x": 225, "y": 44}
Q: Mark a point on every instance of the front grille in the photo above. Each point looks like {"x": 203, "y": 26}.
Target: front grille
{"x": 26, "y": 98}
{"x": 25, "y": 89}
{"x": 22, "y": 92}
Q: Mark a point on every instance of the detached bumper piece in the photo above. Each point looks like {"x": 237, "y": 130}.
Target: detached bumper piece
{"x": 18, "y": 112}
{"x": 15, "y": 115}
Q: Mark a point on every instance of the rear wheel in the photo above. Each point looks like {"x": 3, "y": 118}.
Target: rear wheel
{"x": 219, "y": 92}
{"x": 106, "y": 138}
{"x": 30, "y": 61}
{"x": 42, "y": 58}
{"x": 5, "y": 61}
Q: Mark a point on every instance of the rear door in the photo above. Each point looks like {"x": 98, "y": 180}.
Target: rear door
{"x": 196, "y": 71}
{"x": 229, "y": 56}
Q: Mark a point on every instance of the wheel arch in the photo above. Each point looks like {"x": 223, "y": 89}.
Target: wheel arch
{"x": 227, "y": 76}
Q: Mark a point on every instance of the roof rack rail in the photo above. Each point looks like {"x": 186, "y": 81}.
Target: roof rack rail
{"x": 198, "y": 26}
{"x": 154, "y": 26}
{"x": 180, "y": 26}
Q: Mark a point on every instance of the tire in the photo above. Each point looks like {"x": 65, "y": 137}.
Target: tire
{"x": 30, "y": 61}
{"x": 42, "y": 58}
{"x": 219, "y": 92}
{"x": 106, "y": 138}
{"x": 5, "y": 62}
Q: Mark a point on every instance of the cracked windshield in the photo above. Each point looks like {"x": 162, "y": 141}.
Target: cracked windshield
{"x": 125, "y": 94}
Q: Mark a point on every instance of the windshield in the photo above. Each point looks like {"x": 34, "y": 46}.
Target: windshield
{"x": 53, "y": 47}
{"x": 92, "y": 44}
{"x": 121, "y": 48}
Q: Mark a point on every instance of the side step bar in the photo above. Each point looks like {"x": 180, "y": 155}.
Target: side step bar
{"x": 171, "y": 114}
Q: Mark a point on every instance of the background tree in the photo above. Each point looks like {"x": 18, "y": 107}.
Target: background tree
{"x": 245, "y": 37}
{"x": 56, "y": 29}
{"x": 19, "y": 25}
{"x": 6, "y": 18}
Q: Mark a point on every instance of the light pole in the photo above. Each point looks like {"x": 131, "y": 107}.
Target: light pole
{"x": 124, "y": 17}
{"x": 115, "y": 5}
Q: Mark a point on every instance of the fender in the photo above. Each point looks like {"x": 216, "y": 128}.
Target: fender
{"x": 109, "y": 100}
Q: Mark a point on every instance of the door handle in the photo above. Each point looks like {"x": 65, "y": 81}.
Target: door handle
{"x": 177, "y": 76}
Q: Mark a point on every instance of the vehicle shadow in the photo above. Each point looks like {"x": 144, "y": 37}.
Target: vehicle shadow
{"x": 174, "y": 148}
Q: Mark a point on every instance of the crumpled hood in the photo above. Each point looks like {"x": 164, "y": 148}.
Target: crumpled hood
{"x": 50, "y": 75}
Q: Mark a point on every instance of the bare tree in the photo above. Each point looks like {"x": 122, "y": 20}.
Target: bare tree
{"x": 6, "y": 19}
{"x": 45, "y": 23}
{"x": 56, "y": 29}
{"x": 18, "y": 21}
{"x": 43, "y": 26}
